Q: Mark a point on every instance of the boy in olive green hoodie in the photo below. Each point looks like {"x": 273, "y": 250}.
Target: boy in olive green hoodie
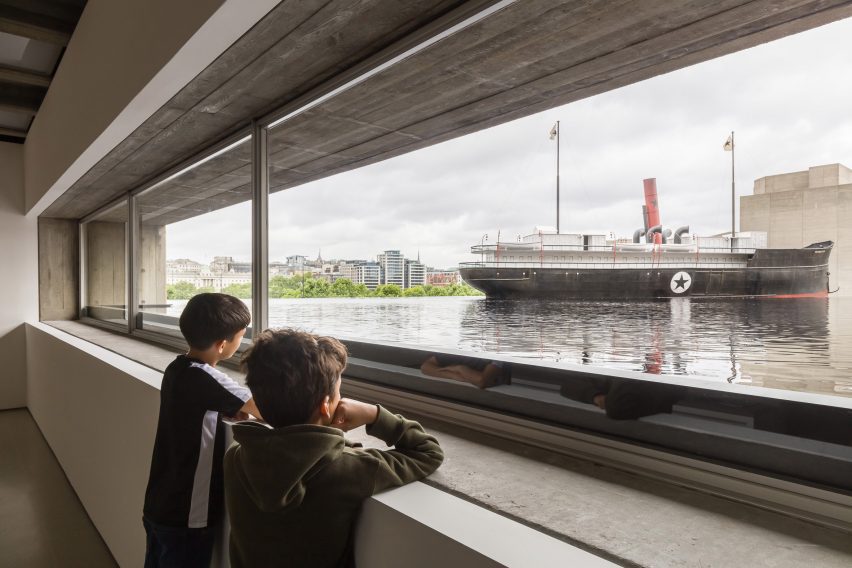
{"x": 294, "y": 488}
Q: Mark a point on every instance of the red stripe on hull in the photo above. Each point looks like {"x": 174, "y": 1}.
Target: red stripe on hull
{"x": 806, "y": 295}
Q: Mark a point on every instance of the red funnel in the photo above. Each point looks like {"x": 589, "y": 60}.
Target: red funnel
{"x": 653, "y": 205}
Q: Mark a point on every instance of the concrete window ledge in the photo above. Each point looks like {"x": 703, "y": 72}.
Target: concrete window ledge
{"x": 488, "y": 490}
{"x": 418, "y": 526}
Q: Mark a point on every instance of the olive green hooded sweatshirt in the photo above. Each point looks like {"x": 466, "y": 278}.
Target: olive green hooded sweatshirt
{"x": 294, "y": 493}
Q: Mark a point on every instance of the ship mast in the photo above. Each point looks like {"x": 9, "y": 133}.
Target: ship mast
{"x": 733, "y": 191}
{"x": 730, "y": 147}
{"x": 554, "y": 133}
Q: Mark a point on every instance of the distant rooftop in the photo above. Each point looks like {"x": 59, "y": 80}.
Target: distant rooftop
{"x": 829, "y": 175}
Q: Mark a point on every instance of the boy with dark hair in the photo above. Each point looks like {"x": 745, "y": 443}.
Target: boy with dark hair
{"x": 183, "y": 501}
{"x": 294, "y": 487}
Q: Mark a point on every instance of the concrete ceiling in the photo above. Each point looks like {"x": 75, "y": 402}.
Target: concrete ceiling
{"x": 33, "y": 35}
{"x": 528, "y": 57}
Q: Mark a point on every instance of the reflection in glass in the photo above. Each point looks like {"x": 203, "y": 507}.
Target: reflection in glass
{"x": 476, "y": 371}
{"x": 195, "y": 236}
{"x": 105, "y": 295}
{"x": 798, "y": 436}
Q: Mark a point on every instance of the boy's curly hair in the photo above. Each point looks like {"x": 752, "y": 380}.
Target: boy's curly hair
{"x": 290, "y": 372}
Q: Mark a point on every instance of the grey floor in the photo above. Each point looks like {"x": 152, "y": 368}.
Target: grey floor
{"x": 42, "y": 523}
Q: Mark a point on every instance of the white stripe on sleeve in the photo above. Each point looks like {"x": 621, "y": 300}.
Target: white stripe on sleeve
{"x": 227, "y": 382}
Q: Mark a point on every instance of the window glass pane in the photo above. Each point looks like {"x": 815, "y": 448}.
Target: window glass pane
{"x": 195, "y": 236}
{"x": 347, "y": 259}
{"x": 105, "y": 295}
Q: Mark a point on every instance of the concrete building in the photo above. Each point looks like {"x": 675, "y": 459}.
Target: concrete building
{"x": 363, "y": 272}
{"x": 799, "y": 208}
{"x": 217, "y": 281}
{"x": 415, "y": 273}
{"x": 442, "y": 277}
{"x": 392, "y": 264}
{"x": 277, "y": 267}
{"x": 183, "y": 265}
{"x": 223, "y": 264}
{"x": 297, "y": 261}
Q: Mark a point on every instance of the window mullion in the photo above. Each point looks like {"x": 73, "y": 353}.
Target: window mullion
{"x": 260, "y": 229}
{"x": 132, "y": 263}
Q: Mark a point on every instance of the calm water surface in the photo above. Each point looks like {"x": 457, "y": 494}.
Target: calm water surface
{"x": 803, "y": 344}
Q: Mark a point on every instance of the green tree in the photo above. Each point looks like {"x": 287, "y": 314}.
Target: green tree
{"x": 462, "y": 289}
{"x": 286, "y": 286}
{"x": 241, "y": 291}
{"x": 345, "y": 288}
{"x": 388, "y": 291}
{"x": 415, "y": 291}
{"x": 315, "y": 288}
{"x": 181, "y": 291}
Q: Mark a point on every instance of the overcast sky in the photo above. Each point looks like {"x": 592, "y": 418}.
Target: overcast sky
{"x": 789, "y": 102}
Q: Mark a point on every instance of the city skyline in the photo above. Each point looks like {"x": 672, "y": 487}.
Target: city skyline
{"x": 785, "y": 100}
{"x": 312, "y": 259}
{"x": 389, "y": 267}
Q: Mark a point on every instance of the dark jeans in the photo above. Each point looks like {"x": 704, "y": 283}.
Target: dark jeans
{"x": 177, "y": 547}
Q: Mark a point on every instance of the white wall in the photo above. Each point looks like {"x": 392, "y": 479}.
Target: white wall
{"x": 19, "y": 286}
{"x": 124, "y": 61}
{"x": 98, "y": 412}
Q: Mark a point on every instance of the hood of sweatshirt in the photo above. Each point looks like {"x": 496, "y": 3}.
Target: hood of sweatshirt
{"x": 275, "y": 464}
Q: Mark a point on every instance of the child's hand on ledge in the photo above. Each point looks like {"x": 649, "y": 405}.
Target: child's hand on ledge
{"x": 241, "y": 416}
{"x": 351, "y": 414}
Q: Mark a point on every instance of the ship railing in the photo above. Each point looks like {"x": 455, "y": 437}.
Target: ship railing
{"x": 532, "y": 265}
{"x": 627, "y": 248}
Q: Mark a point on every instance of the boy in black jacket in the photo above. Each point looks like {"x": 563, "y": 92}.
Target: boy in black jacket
{"x": 183, "y": 501}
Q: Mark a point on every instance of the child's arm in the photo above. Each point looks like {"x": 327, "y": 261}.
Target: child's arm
{"x": 251, "y": 408}
{"x": 416, "y": 454}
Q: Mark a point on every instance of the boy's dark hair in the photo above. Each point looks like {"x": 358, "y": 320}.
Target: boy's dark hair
{"x": 290, "y": 372}
{"x": 208, "y": 318}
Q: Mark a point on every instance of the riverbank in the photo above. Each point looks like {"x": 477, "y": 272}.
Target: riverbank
{"x": 311, "y": 287}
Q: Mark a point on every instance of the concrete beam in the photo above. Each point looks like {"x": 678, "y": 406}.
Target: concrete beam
{"x": 12, "y": 132}
{"x": 26, "y": 24}
{"x": 28, "y": 109}
{"x": 11, "y": 75}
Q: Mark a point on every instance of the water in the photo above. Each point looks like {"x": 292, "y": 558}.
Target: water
{"x": 801, "y": 344}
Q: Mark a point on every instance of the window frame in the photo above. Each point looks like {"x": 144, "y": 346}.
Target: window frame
{"x": 82, "y": 235}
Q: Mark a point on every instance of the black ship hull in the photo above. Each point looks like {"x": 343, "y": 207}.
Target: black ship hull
{"x": 778, "y": 273}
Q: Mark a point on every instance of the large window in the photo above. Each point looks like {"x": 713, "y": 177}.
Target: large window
{"x": 306, "y": 224}
{"x": 195, "y": 235}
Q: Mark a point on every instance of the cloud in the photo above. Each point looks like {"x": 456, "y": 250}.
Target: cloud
{"x": 787, "y": 101}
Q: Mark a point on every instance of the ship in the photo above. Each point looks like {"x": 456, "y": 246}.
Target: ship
{"x": 656, "y": 263}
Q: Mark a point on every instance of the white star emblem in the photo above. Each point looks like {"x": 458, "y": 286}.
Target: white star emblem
{"x": 681, "y": 282}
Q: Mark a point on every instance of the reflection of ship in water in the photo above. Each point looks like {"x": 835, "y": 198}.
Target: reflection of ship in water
{"x": 550, "y": 264}
{"x": 783, "y": 345}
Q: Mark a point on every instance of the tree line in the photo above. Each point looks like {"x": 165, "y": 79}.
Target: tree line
{"x": 308, "y": 286}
